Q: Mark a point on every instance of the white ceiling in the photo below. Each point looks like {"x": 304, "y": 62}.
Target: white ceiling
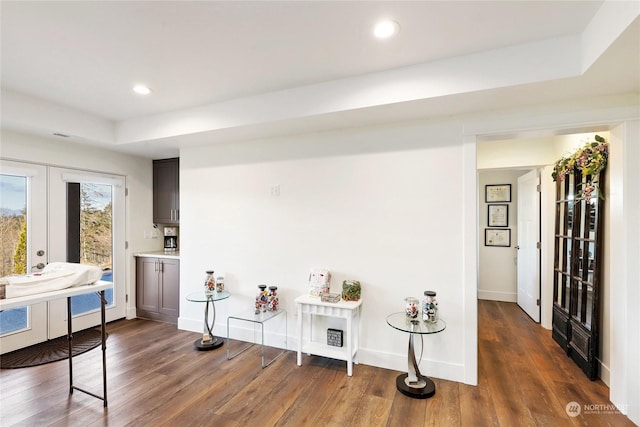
{"x": 224, "y": 71}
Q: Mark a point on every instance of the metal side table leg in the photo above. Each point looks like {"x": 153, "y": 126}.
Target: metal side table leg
{"x": 208, "y": 340}
{"x": 413, "y": 383}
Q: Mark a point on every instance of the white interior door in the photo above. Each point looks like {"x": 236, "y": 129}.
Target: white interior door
{"x": 23, "y": 246}
{"x": 528, "y": 244}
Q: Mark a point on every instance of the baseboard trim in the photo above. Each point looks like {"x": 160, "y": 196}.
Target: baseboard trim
{"x": 274, "y": 337}
{"x": 497, "y": 296}
{"x": 605, "y": 373}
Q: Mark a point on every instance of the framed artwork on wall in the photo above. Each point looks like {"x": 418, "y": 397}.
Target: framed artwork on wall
{"x": 497, "y": 193}
{"x": 497, "y": 237}
{"x": 498, "y": 215}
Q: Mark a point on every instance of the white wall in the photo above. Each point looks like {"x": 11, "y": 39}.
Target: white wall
{"x": 498, "y": 265}
{"x": 137, "y": 171}
{"x": 623, "y": 202}
{"x": 380, "y": 205}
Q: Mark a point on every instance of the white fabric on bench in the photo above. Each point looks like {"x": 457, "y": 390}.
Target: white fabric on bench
{"x": 55, "y": 276}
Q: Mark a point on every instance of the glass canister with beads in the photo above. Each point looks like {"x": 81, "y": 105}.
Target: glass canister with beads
{"x": 273, "y": 300}
{"x": 219, "y": 283}
{"x": 261, "y": 299}
{"x": 209, "y": 282}
{"x": 430, "y": 307}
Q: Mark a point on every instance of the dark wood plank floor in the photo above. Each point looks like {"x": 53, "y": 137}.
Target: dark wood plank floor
{"x": 156, "y": 378}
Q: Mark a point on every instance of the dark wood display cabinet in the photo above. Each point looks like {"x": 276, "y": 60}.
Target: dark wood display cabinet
{"x": 166, "y": 191}
{"x": 577, "y": 271}
{"x": 158, "y": 288}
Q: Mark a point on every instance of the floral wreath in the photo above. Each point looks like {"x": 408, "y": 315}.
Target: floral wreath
{"x": 589, "y": 160}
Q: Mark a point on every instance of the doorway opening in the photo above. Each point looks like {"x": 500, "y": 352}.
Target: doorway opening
{"x": 510, "y": 266}
{"x": 514, "y": 157}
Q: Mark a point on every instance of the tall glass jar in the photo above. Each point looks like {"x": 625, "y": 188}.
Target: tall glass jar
{"x": 209, "y": 282}
{"x": 430, "y": 307}
{"x": 273, "y": 299}
{"x": 261, "y": 299}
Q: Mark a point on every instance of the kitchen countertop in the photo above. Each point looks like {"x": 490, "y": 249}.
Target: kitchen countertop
{"x": 159, "y": 254}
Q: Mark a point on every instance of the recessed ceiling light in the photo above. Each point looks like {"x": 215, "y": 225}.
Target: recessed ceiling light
{"x": 385, "y": 29}
{"x": 141, "y": 89}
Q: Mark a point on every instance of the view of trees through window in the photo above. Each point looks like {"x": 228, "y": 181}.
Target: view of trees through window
{"x": 95, "y": 225}
{"x": 13, "y": 225}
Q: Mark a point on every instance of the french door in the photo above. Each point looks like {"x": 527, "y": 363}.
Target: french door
{"x": 81, "y": 219}
{"x": 88, "y": 227}
{"x": 23, "y": 247}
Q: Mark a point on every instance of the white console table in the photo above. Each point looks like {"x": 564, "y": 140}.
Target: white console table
{"x": 99, "y": 287}
{"x": 308, "y": 307}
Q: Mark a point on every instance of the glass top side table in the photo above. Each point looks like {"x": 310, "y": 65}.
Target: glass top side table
{"x": 257, "y": 319}
{"x": 413, "y": 383}
{"x": 208, "y": 340}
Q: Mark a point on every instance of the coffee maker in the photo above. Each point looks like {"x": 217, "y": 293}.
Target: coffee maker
{"x": 170, "y": 239}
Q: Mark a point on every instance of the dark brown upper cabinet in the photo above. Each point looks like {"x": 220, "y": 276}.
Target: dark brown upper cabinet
{"x": 166, "y": 191}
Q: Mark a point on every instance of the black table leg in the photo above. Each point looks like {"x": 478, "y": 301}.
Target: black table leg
{"x": 70, "y": 342}
{"x": 103, "y": 336}
{"x": 103, "y": 333}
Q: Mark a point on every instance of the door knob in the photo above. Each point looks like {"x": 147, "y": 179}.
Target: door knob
{"x": 40, "y": 252}
{"x": 38, "y": 266}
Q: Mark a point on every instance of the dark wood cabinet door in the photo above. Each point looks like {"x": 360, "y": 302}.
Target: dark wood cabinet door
{"x": 158, "y": 289}
{"x": 170, "y": 288}
{"x": 576, "y": 287}
{"x": 166, "y": 191}
{"x": 147, "y": 295}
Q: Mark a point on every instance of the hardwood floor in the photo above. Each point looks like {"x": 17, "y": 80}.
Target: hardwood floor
{"x": 156, "y": 378}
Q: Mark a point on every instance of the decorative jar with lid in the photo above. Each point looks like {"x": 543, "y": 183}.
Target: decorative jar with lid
{"x": 219, "y": 284}
{"x": 209, "y": 282}
{"x": 430, "y": 307}
{"x": 411, "y": 305}
{"x": 273, "y": 299}
{"x": 261, "y": 299}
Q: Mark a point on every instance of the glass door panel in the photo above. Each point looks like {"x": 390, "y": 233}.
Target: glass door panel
{"x": 23, "y": 246}
{"x": 93, "y": 242}
{"x": 87, "y": 226}
{"x": 13, "y": 243}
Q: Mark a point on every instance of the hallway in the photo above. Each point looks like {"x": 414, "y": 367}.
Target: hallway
{"x": 528, "y": 379}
